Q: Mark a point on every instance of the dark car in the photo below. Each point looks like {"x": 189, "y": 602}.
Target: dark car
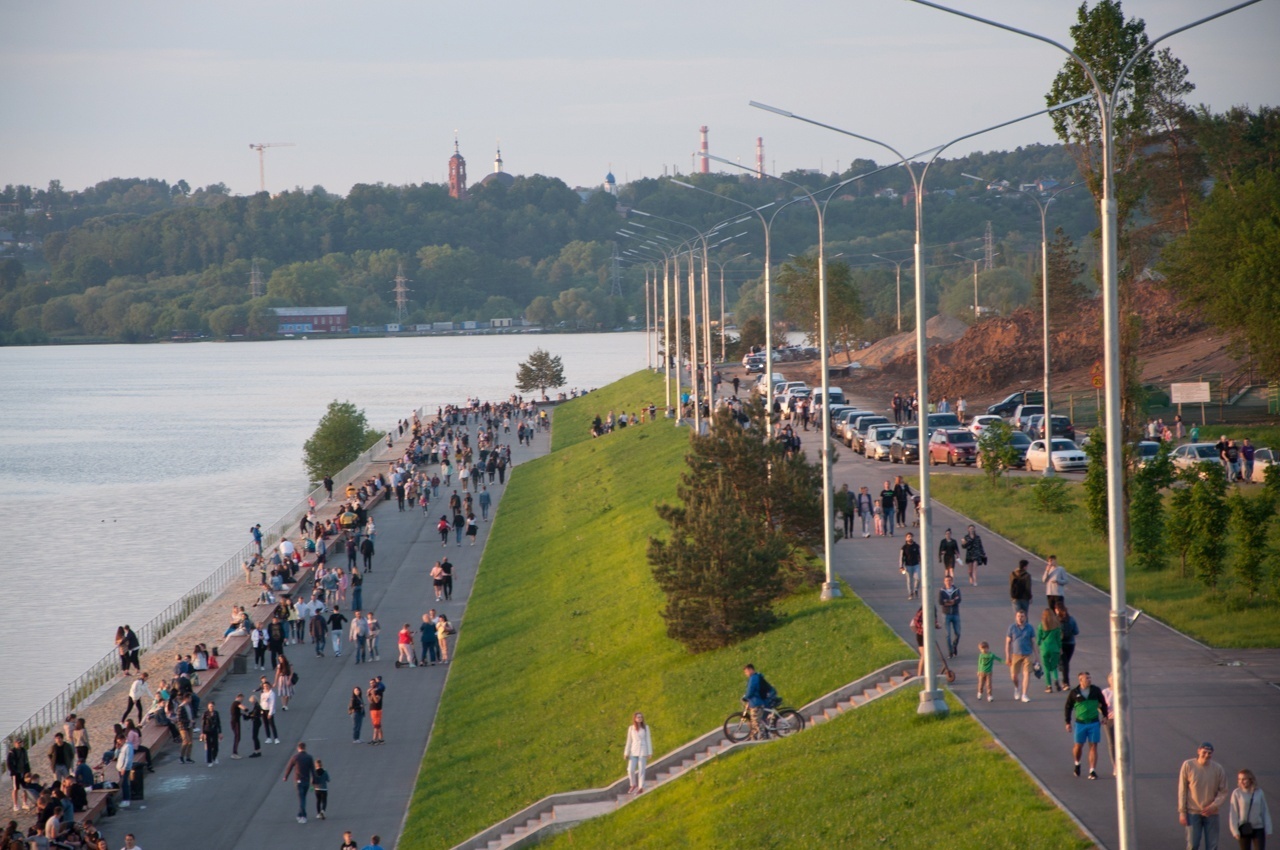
{"x": 905, "y": 445}
{"x": 755, "y": 365}
{"x": 1019, "y": 441}
{"x": 952, "y": 446}
{"x": 1010, "y": 403}
{"x": 1062, "y": 427}
{"x": 943, "y": 420}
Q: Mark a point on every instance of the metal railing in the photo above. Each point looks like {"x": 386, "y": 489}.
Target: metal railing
{"x": 104, "y": 671}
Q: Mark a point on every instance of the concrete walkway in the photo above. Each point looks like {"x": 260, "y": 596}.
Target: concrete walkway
{"x": 244, "y": 803}
{"x": 1184, "y": 692}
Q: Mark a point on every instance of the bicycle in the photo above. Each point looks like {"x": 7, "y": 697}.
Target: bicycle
{"x": 780, "y": 721}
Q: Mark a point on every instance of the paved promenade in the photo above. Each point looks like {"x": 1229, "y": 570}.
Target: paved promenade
{"x": 1185, "y": 693}
{"x": 243, "y": 803}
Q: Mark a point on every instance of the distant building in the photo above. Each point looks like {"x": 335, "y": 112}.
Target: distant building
{"x": 611, "y": 184}
{"x": 498, "y": 176}
{"x": 500, "y": 323}
{"x": 457, "y": 174}
{"x": 306, "y": 320}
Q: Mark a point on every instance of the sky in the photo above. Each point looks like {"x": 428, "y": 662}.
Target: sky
{"x": 374, "y": 92}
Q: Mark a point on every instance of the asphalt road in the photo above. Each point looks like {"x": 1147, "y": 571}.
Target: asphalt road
{"x": 1184, "y": 692}
{"x": 243, "y": 803}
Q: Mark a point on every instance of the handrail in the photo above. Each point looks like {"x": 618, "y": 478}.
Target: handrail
{"x": 103, "y": 671}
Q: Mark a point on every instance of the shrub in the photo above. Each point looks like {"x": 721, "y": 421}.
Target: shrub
{"x": 1051, "y": 495}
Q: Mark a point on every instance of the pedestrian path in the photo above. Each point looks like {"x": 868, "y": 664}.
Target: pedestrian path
{"x": 244, "y": 803}
{"x": 1184, "y": 692}
{"x": 559, "y": 812}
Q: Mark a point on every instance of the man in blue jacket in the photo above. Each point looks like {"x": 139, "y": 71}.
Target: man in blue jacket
{"x": 756, "y": 698}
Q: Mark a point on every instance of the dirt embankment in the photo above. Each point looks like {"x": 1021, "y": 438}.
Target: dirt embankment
{"x": 1008, "y": 350}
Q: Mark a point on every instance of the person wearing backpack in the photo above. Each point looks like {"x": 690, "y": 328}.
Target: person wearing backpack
{"x": 759, "y": 696}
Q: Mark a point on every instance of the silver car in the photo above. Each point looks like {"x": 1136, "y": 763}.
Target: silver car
{"x": 876, "y": 446}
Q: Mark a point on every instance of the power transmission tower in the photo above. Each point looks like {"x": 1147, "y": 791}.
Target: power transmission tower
{"x": 989, "y": 247}
{"x": 402, "y": 293}
{"x": 261, "y": 147}
{"x": 255, "y": 281}
{"x": 615, "y": 272}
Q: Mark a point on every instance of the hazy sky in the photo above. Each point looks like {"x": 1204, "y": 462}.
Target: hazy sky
{"x": 373, "y": 92}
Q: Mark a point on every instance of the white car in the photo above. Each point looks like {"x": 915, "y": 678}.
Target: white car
{"x": 1193, "y": 454}
{"x": 1263, "y": 458}
{"x": 1065, "y": 456}
{"x": 876, "y": 446}
{"x": 979, "y": 423}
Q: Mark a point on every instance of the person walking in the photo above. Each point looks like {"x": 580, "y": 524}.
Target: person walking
{"x": 948, "y": 552}
{"x": 1019, "y": 652}
{"x": 18, "y": 764}
{"x": 1085, "y": 708}
{"x": 255, "y": 715}
{"x": 366, "y": 553}
{"x": 909, "y": 564}
{"x": 865, "y": 508}
{"x": 949, "y": 601}
{"x": 637, "y": 752}
{"x": 887, "y": 506}
{"x": 336, "y": 623}
{"x": 901, "y": 493}
{"x": 258, "y": 640}
{"x": 357, "y": 590}
{"x": 375, "y": 632}
{"x": 355, "y": 710}
{"x": 1250, "y": 819}
{"x": 319, "y": 631}
{"x": 1202, "y": 791}
{"x": 1020, "y": 588}
{"x": 437, "y": 581}
{"x": 1070, "y": 628}
{"x": 211, "y": 733}
{"x": 320, "y": 781}
{"x": 404, "y": 645}
{"x": 1055, "y": 580}
{"x": 139, "y": 697}
{"x": 186, "y": 723}
{"x": 917, "y": 628}
{"x": 846, "y": 506}
{"x": 485, "y": 499}
{"x": 303, "y": 766}
{"x": 442, "y": 527}
{"x": 359, "y": 637}
{"x": 284, "y": 682}
{"x": 446, "y": 567}
{"x": 268, "y": 703}
{"x": 974, "y": 553}
{"x": 1049, "y": 642}
{"x": 986, "y": 664}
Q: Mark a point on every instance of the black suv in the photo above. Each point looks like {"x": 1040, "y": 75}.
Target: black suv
{"x": 905, "y": 445}
{"x": 1010, "y": 404}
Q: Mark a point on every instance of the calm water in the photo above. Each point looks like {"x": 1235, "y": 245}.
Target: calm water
{"x": 129, "y": 473}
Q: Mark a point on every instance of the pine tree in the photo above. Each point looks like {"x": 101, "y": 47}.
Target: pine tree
{"x": 540, "y": 371}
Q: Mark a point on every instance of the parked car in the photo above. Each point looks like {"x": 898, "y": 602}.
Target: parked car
{"x": 1191, "y": 454}
{"x": 790, "y": 385}
{"x": 1009, "y": 404}
{"x": 1022, "y": 416}
{"x": 943, "y": 420}
{"x": 952, "y": 446}
{"x": 779, "y": 380}
{"x": 905, "y": 445}
{"x": 1143, "y": 453}
{"x": 1062, "y": 427}
{"x": 843, "y": 422}
{"x": 863, "y": 426}
{"x": 1017, "y": 440}
{"x": 1263, "y": 458}
{"x": 1064, "y": 455}
{"x": 979, "y": 423}
{"x": 795, "y": 394}
{"x": 876, "y": 445}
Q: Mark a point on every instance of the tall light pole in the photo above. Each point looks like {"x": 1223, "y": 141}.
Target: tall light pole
{"x": 1106, "y": 103}
{"x": 931, "y": 698}
{"x": 897, "y": 264}
{"x": 723, "y": 355}
{"x": 1043, "y": 207}
{"x": 975, "y": 283}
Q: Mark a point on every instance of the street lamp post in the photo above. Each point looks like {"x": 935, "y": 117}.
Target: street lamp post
{"x": 723, "y": 354}
{"x": 1120, "y": 623}
{"x": 932, "y": 700}
{"x": 897, "y": 265}
{"x": 975, "y": 283}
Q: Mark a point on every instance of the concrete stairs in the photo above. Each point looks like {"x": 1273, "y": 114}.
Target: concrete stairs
{"x": 559, "y": 812}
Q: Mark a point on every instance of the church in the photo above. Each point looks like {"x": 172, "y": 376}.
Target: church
{"x": 458, "y": 173}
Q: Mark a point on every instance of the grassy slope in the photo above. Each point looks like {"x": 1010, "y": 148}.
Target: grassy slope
{"x": 879, "y": 776}
{"x": 563, "y": 640}
{"x": 1221, "y": 619}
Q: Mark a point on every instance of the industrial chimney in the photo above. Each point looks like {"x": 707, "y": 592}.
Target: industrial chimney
{"x": 759, "y": 157}
{"x": 706, "y": 163}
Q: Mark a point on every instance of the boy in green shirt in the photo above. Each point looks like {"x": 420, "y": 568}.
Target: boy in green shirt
{"x": 986, "y": 661}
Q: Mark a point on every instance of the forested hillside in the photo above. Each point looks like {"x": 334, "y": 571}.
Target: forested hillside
{"x": 134, "y": 259}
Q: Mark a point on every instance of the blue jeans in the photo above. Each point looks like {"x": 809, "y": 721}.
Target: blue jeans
{"x": 357, "y": 723}
{"x": 458, "y": 533}
{"x": 361, "y": 650}
{"x": 304, "y": 788}
{"x": 1202, "y": 826}
{"x": 357, "y": 599}
{"x": 953, "y": 633}
{"x": 913, "y": 579}
{"x": 431, "y": 651}
{"x": 888, "y": 522}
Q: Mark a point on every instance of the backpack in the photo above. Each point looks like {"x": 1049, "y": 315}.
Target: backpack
{"x": 767, "y": 692}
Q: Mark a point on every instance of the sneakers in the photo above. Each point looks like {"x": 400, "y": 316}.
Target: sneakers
{"x": 302, "y": 818}
{"x": 124, "y": 804}
{"x": 979, "y": 696}
{"x": 234, "y": 756}
{"x": 1016, "y": 693}
{"x": 1076, "y": 769}
{"x": 1093, "y": 774}
{"x": 1025, "y": 698}
{"x": 990, "y": 698}
{"x": 255, "y": 755}
{"x": 320, "y": 815}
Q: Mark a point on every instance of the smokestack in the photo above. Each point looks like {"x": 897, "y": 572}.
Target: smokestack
{"x": 706, "y": 163}
{"x": 759, "y": 157}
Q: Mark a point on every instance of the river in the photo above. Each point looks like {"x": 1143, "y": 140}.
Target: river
{"x": 128, "y": 473}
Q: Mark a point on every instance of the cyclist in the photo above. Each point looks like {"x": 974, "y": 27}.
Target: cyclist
{"x": 759, "y": 696}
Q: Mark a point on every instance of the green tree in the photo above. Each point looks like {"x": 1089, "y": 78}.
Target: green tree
{"x": 1209, "y": 515}
{"x": 1065, "y": 289}
{"x": 1250, "y": 528}
{"x": 343, "y": 433}
{"x": 996, "y": 451}
{"x": 1147, "y": 541}
{"x": 797, "y": 283}
{"x": 539, "y": 372}
{"x": 1095, "y": 481}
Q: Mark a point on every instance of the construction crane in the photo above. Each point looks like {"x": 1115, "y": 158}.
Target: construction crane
{"x": 260, "y": 147}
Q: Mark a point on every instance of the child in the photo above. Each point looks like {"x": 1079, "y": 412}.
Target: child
{"x": 986, "y": 660}
{"x": 320, "y": 781}
{"x": 879, "y": 517}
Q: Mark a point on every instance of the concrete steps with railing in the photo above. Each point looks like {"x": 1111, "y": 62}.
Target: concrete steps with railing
{"x": 559, "y": 812}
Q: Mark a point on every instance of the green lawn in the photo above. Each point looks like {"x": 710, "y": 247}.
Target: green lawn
{"x": 879, "y": 776}
{"x": 563, "y": 640}
{"x": 632, "y": 394}
{"x": 1262, "y": 436}
{"x": 1224, "y": 618}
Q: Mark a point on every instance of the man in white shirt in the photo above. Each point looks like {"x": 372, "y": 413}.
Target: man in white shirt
{"x": 139, "y": 695}
{"x": 268, "y": 703}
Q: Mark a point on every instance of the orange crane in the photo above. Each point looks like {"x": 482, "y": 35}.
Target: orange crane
{"x": 260, "y": 147}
